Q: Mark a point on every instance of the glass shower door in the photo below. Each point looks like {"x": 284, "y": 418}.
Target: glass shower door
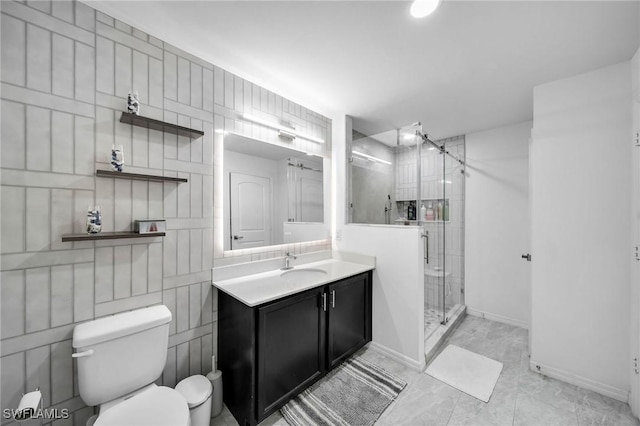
{"x": 433, "y": 209}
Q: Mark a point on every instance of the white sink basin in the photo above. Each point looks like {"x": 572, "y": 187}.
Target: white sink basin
{"x": 303, "y": 274}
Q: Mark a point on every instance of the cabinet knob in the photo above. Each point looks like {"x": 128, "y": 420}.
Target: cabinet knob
{"x": 333, "y": 298}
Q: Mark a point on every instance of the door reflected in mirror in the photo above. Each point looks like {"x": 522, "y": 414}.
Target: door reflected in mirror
{"x": 272, "y": 194}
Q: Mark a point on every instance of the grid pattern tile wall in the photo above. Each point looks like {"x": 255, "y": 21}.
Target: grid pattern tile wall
{"x": 66, "y": 72}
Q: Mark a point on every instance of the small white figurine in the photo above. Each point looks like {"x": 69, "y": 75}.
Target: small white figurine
{"x": 133, "y": 103}
{"x": 94, "y": 220}
{"x": 117, "y": 158}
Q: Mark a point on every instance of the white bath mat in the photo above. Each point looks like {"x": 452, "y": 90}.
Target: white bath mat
{"x": 466, "y": 371}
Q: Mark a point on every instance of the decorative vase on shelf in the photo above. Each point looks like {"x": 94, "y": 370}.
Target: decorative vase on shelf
{"x": 94, "y": 220}
{"x": 117, "y": 158}
{"x": 133, "y": 103}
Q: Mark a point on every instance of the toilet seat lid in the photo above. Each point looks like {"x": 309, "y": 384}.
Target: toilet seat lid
{"x": 158, "y": 406}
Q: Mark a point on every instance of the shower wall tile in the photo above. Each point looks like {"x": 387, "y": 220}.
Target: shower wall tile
{"x": 38, "y": 372}
{"x": 12, "y": 303}
{"x": 13, "y": 382}
{"x": 37, "y": 304}
{"x": 182, "y": 361}
{"x": 61, "y": 372}
{"x": 169, "y": 373}
{"x": 84, "y": 297}
{"x": 62, "y": 10}
{"x": 13, "y": 143}
{"x": 62, "y": 295}
{"x": 195, "y": 356}
{"x": 62, "y": 75}
{"x": 38, "y": 59}
{"x": 14, "y": 55}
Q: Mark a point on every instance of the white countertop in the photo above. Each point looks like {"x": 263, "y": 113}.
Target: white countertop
{"x": 258, "y": 288}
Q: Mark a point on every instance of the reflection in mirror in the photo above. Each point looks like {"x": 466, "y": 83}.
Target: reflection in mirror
{"x": 272, "y": 194}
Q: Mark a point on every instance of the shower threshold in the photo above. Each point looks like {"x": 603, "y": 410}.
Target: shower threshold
{"x": 435, "y": 340}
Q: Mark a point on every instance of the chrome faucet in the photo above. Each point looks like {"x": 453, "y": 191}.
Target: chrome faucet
{"x": 287, "y": 259}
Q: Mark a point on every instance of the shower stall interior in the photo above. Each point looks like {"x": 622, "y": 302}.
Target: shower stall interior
{"x": 404, "y": 178}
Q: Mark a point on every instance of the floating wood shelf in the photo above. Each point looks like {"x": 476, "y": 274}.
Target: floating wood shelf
{"x": 151, "y": 123}
{"x": 109, "y": 236}
{"x": 138, "y": 176}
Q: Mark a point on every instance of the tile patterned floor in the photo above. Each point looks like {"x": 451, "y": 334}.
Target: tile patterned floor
{"x": 520, "y": 397}
{"x": 431, "y": 321}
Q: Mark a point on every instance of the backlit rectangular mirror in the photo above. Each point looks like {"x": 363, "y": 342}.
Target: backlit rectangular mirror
{"x": 272, "y": 194}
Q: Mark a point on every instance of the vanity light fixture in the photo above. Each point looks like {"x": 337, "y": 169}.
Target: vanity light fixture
{"x": 281, "y": 128}
{"x": 370, "y": 157}
{"x": 265, "y": 122}
{"x": 285, "y": 134}
{"x": 422, "y": 8}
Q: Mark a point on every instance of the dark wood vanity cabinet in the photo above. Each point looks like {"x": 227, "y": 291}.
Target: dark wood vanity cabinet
{"x": 349, "y": 319}
{"x": 270, "y": 353}
{"x": 291, "y": 346}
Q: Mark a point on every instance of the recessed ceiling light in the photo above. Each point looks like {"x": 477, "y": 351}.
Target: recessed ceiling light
{"x": 422, "y": 8}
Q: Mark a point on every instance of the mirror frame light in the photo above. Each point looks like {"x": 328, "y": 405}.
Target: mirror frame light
{"x": 219, "y": 203}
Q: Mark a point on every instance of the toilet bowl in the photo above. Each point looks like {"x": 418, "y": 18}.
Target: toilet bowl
{"x": 118, "y": 360}
{"x": 159, "y": 406}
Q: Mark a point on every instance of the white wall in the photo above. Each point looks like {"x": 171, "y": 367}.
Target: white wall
{"x": 398, "y": 290}
{"x": 497, "y": 224}
{"x": 581, "y": 181}
{"x": 634, "y": 397}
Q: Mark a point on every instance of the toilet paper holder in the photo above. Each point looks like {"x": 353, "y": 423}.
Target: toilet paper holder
{"x": 29, "y": 405}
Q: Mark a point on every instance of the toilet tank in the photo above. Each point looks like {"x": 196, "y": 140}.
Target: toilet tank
{"x": 121, "y": 353}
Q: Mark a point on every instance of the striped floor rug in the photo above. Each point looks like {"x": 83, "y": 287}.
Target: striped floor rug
{"x": 354, "y": 394}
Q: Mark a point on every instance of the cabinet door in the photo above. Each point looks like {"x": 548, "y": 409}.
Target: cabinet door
{"x": 349, "y": 317}
{"x": 291, "y": 348}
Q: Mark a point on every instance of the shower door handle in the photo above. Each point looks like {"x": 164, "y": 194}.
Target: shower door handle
{"x": 527, "y": 256}
{"x": 425, "y": 235}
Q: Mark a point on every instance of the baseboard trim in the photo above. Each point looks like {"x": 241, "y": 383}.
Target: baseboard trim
{"x": 397, "y": 356}
{"x": 496, "y": 317}
{"x": 583, "y": 382}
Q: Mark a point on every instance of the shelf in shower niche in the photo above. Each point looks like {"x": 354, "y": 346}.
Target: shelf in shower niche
{"x": 108, "y": 236}
{"x": 138, "y": 176}
{"x": 163, "y": 126}
{"x": 414, "y": 222}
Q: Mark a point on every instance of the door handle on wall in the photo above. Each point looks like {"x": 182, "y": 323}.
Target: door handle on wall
{"x": 527, "y": 256}
{"x": 237, "y": 237}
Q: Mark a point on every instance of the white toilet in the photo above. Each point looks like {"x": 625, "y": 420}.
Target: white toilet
{"x": 119, "y": 359}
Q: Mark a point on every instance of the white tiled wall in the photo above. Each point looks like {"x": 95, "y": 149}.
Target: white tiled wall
{"x": 66, "y": 71}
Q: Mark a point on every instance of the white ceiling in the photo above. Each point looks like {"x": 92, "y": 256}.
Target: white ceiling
{"x": 472, "y": 65}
